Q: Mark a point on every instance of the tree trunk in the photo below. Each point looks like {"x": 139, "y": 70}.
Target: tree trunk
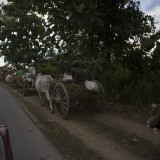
{"x": 108, "y": 72}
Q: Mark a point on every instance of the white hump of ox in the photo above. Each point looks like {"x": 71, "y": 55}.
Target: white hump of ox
{"x": 154, "y": 105}
{"x": 45, "y": 84}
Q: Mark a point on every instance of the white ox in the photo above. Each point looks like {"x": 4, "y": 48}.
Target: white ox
{"x": 45, "y": 84}
{"x": 9, "y": 79}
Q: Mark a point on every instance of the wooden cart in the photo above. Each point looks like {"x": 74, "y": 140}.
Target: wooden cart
{"x": 28, "y": 82}
{"x": 66, "y": 93}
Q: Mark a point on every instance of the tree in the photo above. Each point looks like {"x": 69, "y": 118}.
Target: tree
{"x": 21, "y": 33}
{"x": 107, "y": 31}
{"x": 96, "y": 28}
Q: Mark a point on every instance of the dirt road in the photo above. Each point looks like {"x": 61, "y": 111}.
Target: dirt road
{"x": 118, "y": 133}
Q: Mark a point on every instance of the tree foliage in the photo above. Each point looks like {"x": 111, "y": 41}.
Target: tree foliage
{"x": 115, "y": 37}
{"x": 94, "y": 28}
{"x": 21, "y": 33}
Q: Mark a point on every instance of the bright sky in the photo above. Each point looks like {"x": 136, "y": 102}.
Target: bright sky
{"x": 151, "y": 7}
{"x": 1, "y": 59}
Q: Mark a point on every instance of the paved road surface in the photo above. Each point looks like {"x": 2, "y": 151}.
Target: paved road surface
{"x": 28, "y": 142}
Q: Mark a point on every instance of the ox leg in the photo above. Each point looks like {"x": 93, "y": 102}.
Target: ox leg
{"x": 50, "y": 101}
{"x": 33, "y": 82}
{"x": 41, "y": 100}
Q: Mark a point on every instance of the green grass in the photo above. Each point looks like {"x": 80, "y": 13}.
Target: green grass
{"x": 70, "y": 146}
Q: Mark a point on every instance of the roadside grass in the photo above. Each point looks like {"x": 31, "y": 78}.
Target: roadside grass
{"x": 70, "y": 146}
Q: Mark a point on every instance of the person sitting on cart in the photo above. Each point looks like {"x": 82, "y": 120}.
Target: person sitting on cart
{"x": 19, "y": 71}
{"x": 77, "y": 73}
{"x": 32, "y": 70}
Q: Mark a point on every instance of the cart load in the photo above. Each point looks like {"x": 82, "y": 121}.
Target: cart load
{"x": 90, "y": 94}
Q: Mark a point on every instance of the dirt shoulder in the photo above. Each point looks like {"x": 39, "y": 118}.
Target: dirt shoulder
{"x": 117, "y": 133}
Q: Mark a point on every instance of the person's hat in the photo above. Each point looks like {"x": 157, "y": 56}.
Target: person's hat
{"x": 75, "y": 63}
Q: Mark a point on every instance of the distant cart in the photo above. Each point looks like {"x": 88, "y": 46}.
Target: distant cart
{"x": 66, "y": 92}
{"x": 28, "y": 82}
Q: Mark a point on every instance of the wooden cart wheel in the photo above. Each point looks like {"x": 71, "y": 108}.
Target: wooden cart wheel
{"x": 61, "y": 100}
{"x": 101, "y": 96}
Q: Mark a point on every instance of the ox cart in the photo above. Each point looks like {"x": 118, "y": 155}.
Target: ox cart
{"x": 28, "y": 82}
{"x": 66, "y": 93}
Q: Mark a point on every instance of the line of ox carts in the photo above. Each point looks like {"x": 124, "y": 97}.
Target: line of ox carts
{"x": 60, "y": 91}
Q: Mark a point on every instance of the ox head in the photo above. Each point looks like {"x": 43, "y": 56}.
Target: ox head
{"x": 155, "y": 109}
{"x": 154, "y": 121}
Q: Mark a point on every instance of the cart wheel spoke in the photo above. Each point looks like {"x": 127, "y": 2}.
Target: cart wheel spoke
{"x": 64, "y": 103}
{"x": 63, "y": 109}
{"x": 56, "y": 94}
